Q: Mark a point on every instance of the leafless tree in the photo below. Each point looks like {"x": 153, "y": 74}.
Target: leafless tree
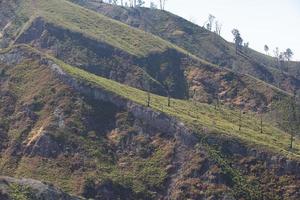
{"x": 162, "y": 4}
{"x": 218, "y": 27}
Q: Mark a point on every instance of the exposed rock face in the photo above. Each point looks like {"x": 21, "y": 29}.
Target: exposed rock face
{"x": 11, "y": 188}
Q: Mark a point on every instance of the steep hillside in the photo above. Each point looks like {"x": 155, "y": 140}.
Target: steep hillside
{"x": 202, "y": 43}
{"x": 84, "y": 40}
{"x": 104, "y": 110}
{"x": 97, "y": 138}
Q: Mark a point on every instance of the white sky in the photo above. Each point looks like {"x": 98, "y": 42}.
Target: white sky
{"x": 272, "y": 22}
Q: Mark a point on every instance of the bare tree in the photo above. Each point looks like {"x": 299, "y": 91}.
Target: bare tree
{"x": 211, "y": 20}
{"x": 277, "y": 54}
{"x": 147, "y": 87}
{"x": 162, "y": 4}
{"x": 218, "y": 27}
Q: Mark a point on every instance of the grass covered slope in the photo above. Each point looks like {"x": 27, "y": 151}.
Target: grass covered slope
{"x": 96, "y": 26}
{"x": 200, "y": 42}
{"x": 50, "y": 132}
{"x": 198, "y": 116}
{"x": 94, "y": 43}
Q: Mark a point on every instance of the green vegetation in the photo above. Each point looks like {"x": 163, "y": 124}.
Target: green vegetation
{"x": 19, "y": 192}
{"x": 240, "y": 185}
{"x": 97, "y": 26}
{"x": 200, "y": 42}
{"x": 197, "y": 115}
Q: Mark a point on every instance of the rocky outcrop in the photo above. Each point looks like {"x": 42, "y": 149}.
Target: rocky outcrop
{"x": 11, "y": 188}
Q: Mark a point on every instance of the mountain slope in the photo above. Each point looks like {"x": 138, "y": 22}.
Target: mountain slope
{"x": 168, "y": 71}
{"x": 202, "y": 43}
{"x": 74, "y": 113}
{"x": 95, "y": 137}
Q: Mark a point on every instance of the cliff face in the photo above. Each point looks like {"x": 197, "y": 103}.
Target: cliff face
{"x": 82, "y": 138}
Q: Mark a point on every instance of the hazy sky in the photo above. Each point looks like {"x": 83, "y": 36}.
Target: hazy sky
{"x": 272, "y": 22}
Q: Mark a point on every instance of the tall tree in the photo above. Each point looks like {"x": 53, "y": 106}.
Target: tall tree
{"x": 277, "y": 55}
{"x": 238, "y": 40}
{"x": 162, "y": 4}
{"x": 210, "y": 23}
{"x": 218, "y": 27}
{"x": 288, "y": 54}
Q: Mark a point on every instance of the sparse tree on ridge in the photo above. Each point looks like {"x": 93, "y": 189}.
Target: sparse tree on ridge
{"x": 210, "y": 23}
{"x": 266, "y": 48}
{"x": 153, "y": 5}
{"x": 218, "y": 27}
{"x": 162, "y": 4}
{"x": 288, "y": 54}
{"x": 238, "y": 40}
{"x": 277, "y": 55}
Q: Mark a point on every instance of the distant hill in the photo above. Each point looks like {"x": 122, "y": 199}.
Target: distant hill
{"x": 202, "y": 43}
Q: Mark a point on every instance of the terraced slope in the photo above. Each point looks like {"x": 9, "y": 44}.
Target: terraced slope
{"x": 202, "y": 43}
